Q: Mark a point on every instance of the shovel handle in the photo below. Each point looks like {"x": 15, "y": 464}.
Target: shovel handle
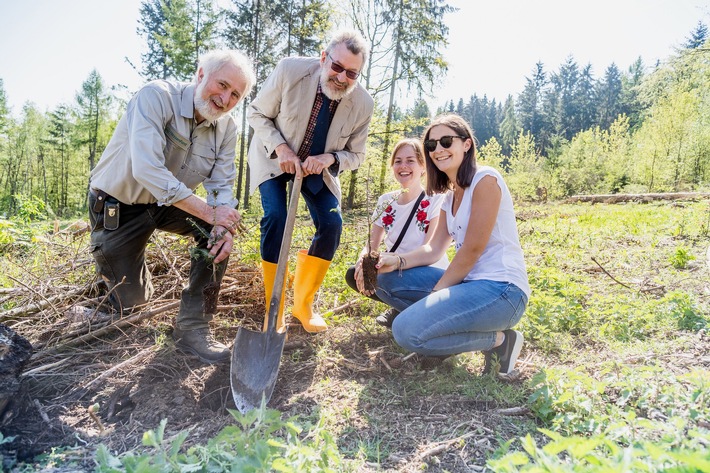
{"x": 280, "y": 277}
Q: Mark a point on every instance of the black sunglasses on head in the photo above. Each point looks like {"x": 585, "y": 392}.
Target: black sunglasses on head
{"x": 352, "y": 75}
{"x": 446, "y": 142}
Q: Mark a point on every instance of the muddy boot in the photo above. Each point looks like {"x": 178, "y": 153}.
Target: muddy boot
{"x": 200, "y": 343}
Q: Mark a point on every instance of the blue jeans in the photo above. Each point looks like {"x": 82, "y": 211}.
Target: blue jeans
{"x": 458, "y": 319}
{"x": 324, "y": 209}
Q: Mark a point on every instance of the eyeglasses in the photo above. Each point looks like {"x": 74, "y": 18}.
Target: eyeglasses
{"x": 446, "y": 142}
{"x": 352, "y": 75}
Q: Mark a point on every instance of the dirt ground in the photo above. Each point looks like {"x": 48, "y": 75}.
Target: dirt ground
{"x": 137, "y": 378}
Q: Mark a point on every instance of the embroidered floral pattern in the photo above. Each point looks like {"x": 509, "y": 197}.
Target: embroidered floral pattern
{"x": 421, "y": 216}
{"x": 388, "y": 218}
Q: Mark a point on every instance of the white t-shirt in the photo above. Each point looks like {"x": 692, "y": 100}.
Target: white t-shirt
{"x": 502, "y": 259}
{"x": 392, "y": 216}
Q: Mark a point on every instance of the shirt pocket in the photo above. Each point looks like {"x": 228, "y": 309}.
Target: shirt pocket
{"x": 198, "y": 165}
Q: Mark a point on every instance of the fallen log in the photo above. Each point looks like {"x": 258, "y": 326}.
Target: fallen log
{"x": 643, "y": 198}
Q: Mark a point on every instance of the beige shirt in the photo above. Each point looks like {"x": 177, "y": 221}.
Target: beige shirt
{"x": 158, "y": 154}
{"x": 280, "y": 114}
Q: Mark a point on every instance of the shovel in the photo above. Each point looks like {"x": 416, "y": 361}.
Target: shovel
{"x": 256, "y": 355}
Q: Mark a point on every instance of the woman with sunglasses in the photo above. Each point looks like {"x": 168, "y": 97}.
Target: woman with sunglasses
{"x": 403, "y": 219}
{"x": 474, "y": 303}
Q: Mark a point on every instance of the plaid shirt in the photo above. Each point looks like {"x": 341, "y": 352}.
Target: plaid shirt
{"x": 305, "y": 148}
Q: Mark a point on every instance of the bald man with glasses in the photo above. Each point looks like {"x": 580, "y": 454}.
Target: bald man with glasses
{"x": 310, "y": 119}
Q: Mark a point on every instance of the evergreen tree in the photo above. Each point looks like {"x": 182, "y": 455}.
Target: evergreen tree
{"x": 269, "y": 31}
{"x": 151, "y": 26}
{"x": 509, "y": 126}
{"x": 57, "y": 164}
{"x": 460, "y": 108}
{"x": 585, "y": 100}
{"x": 609, "y": 97}
{"x": 421, "y": 115}
{"x": 305, "y": 23}
{"x": 176, "y": 33}
{"x": 697, "y": 37}
{"x": 530, "y": 104}
{"x": 630, "y": 85}
{"x": 93, "y": 103}
{"x": 418, "y": 36}
{"x": 565, "y": 84}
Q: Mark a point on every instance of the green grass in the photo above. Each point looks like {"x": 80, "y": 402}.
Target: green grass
{"x": 620, "y": 301}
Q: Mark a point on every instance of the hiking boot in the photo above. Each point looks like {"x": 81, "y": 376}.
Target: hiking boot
{"x": 200, "y": 343}
{"x": 506, "y": 354}
{"x": 387, "y": 317}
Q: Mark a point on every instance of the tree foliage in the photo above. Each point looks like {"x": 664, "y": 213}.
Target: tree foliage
{"x": 176, "y": 33}
{"x": 568, "y": 132}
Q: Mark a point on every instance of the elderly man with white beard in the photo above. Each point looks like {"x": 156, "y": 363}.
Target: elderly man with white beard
{"x": 310, "y": 118}
{"x": 172, "y": 138}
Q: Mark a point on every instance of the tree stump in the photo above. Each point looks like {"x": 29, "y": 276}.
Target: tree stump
{"x": 15, "y": 351}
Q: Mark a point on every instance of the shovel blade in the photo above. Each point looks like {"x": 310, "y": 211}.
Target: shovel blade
{"x": 256, "y": 357}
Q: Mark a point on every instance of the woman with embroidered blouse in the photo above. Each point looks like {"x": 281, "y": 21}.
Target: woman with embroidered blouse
{"x": 396, "y": 212}
{"x": 473, "y": 304}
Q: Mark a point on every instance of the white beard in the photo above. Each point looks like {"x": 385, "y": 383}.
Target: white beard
{"x": 203, "y": 106}
{"x": 331, "y": 93}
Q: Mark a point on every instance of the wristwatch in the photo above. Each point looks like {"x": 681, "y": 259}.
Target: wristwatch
{"x": 337, "y": 159}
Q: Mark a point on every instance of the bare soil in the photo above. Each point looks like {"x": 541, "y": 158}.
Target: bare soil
{"x": 134, "y": 373}
{"x": 369, "y": 270}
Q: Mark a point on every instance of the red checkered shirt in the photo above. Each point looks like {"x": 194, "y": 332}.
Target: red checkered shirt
{"x": 305, "y": 148}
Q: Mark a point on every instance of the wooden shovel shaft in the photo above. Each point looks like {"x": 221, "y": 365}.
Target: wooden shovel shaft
{"x": 280, "y": 277}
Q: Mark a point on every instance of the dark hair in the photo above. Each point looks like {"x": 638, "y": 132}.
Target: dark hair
{"x": 437, "y": 181}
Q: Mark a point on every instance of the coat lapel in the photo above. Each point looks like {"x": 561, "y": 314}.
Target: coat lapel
{"x": 307, "y": 92}
{"x": 339, "y": 120}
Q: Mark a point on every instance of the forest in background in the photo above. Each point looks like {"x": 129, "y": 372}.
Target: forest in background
{"x": 644, "y": 129}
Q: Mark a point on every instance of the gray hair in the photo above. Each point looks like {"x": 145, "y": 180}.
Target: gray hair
{"x": 353, "y": 40}
{"x": 214, "y": 60}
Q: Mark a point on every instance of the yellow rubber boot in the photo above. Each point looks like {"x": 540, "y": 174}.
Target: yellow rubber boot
{"x": 310, "y": 272}
{"x": 269, "y": 270}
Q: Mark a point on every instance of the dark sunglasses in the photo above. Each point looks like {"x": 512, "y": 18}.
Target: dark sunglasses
{"x": 446, "y": 142}
{"x": 352, "y": 75}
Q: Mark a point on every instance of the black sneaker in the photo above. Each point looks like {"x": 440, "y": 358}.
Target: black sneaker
{"x": 386, "y": 318}
{"x": 506, "y": 354}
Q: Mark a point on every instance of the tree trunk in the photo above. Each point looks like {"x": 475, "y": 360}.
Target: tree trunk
{"x": 390, "y": 106}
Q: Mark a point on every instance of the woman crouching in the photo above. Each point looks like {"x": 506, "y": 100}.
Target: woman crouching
{"x": 474, "y": 303}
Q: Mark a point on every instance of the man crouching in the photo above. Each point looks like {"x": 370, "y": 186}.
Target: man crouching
{"x": 173, "y": 137}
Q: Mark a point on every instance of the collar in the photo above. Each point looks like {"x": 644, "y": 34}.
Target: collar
{"x": 187, "y": 102}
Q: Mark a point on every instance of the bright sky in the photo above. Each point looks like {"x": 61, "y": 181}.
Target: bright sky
{"x": 49, "y": 47}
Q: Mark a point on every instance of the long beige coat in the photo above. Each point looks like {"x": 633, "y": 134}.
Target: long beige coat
{"x": 280, "y": 114}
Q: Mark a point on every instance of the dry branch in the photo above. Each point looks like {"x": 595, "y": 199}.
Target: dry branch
{"x": 608, "y": 274}
{"x": 119, "y": 324}
{"x": 38, "y": 306}
{"x": 140, "y": 356}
